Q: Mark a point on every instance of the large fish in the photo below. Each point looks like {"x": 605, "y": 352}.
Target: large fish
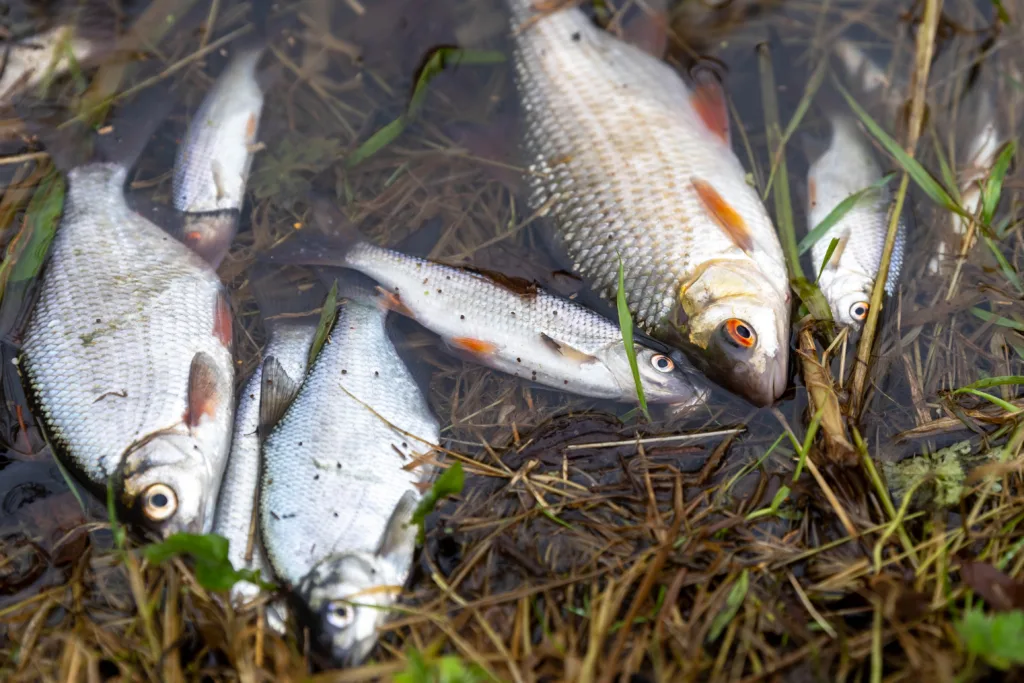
{"x": 339, "y": 486}
{"x": 848, "y": 166}
{"x": 289, "y": 335}
{"x": 213, "y": 161}
{"x": 637, "y": 168}
{"x": 509, "y": 324}
{"x": 128, "y": 352}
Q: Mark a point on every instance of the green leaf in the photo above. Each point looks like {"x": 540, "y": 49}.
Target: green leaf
{"x": 115, "y": 526}
{"x": 436, "y": 62}
{"x": 993, "y": 189}
{"x": 209, "y": 552}
{"x": 732, "y": 605}
{"x": 1009, "y": 272}
{"x": 1001, "y": 12}
{"x": 996, "y": 638}
{"x": 328, "y": 314}
{"x": 994, "y": 400}
{"x": 816, "y": 303}
{"x": 925, "y": 180}
{"x": 828, "y": 256}
{"x": 997, "y": 319}
{"x": 1000, "y": 381}
{"x": 29, "y": 249}
{"x": 837, "y": 213}
{"x": 447, "y": 669}
{"x": 626, "y": 326}
{"x": 450, "y": 483}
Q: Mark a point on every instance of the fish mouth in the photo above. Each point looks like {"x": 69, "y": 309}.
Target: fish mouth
{"x": 764, "y": 388}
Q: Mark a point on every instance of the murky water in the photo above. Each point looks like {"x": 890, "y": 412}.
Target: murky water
{"x": 339, "y": 71}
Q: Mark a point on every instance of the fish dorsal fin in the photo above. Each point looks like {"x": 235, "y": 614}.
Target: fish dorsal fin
{"x": 708, "y": 100}
{"x": 728, "y": 219}
{"x": 567, "y": 351}
{"x": 205, "y": 396}
{"x": 517, "y": 285}
{"x": 398, "y": 542}
{"x": 277, "y": 391}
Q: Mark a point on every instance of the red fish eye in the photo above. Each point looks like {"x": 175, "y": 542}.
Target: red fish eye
{"x": 859, "y": 310}
{"x": 740, "y": 333}
{"x": 663, "y": 363}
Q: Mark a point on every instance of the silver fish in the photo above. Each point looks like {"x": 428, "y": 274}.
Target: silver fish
{"x": 514, "y": 326}
{"x": 128, "y": 353}
{"x": 288, "y": 342}
{"x": 213, "y": 161}
{"x": 340, "y": 482}
{"x": 637, "y": 168}
{"x": 846, "y": 167}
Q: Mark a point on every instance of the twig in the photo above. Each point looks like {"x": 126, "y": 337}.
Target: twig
{"x": 657, "y": 439}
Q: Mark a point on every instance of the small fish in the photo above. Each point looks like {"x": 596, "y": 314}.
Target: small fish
{"x": 339, "y": 486}
{"x": 846, "y": 167}
{"x": 213, "y": 161}
{"x": 509, "y": 324}
{"x": 128, "y": 348}
{"x": 636, "y": 167}
{"x": 288, "y": 341}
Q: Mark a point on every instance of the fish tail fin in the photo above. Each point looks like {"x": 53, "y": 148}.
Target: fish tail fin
{"x": 286, "y": 295}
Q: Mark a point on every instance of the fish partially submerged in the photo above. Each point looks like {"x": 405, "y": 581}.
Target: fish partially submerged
{"x": 846, "y": 167}
{"x": 128, "y": 350}
{"x": 509, "y": 324}
{"x": 636, "y": 168}
{"x": 289, "y": 335}
{"x": 213, "y": 161}
{"x": 339, "y": 485}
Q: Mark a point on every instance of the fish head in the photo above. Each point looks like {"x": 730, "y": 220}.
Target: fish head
{"x": 666, "y": 375}
{"x": 849, "y": 296}
{"x": 169, "y": 486}
{"x": 739, "y": 323}
{"x": 343, "y": 600}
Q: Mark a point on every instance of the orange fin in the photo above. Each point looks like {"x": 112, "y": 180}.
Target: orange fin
{"x": 393, "y": 302}
{"x": 474, "y": 346}
{"x": 222, "y": 323}
{"x": 709, "y": 100}
{"x": 567, "y": 351}
{"x": 250, "y": 129}
{"x": 727, "y": 218}
{"x": 812, "y": 192}
{"x": 204, "y": 397}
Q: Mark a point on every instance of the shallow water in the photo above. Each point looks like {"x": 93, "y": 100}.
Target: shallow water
{"x": 457, "y": 167}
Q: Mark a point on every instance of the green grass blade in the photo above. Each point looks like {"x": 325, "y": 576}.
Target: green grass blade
{"x": 988, "y": 316}
{"x": 925, "y": 180}
{"x": 626, "y": 325}
{"x": 323, "y": 328}
{"x": 828, "y": 256}
{"x": 1003, "y": 380}
{"x": 837, "y": 214}
{"x": 450, "y": 483}
{"x": 733, "y": 602}
{"x": 994, "y": 400}
{"x": 993, "y": 189}
{"x": 28, "y": 251}
{"x": 1009, "y": 272}
{"x": 436, "y": 62}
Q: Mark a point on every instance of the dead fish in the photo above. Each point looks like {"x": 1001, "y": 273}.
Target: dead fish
{"x": 339, "y": 486}
{"x": 636, "y": 168}
{"x": 213, "y": 161}
{"x": 509, "y": 324}
{"x": 848, "y": 166}
{"x": 128, "y": 348}
{"x": 289, "y": 335}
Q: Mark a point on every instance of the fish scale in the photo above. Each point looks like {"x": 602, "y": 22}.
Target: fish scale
{"x": 123, "y": 312}
{"x": 615, "y": 143}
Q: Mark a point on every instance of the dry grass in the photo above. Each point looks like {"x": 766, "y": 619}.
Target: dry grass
{"x": 749, "y": 556}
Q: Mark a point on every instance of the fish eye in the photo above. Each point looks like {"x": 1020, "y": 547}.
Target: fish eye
{"x": 859, "y": 310}
{"x": 663, "y": 363}
{"x": 340, "y": 614}
{"x": 159, "y": 502}
{"x": 740, "y": 333}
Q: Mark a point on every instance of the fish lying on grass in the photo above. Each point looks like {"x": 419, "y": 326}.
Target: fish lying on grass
{"x": 848, "y": 167}
{"x": 289, "y": 335}
{"x": 128, "y": 348}
{"x": 636, "y": 166}
{"x": 507, "y": 323}
{"x": 339, "y": 486}
{"x": 213, "y": 162}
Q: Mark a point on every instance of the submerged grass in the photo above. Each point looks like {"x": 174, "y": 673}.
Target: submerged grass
{"x": 581, "y": 548}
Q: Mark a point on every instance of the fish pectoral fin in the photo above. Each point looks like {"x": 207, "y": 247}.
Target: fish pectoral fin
{"x": 398, "y": 542}
{"x": 567, "y": 351}
{"x": 205, "y": 393}
{"x": 708, "y": 100}
{"x": 728, "y": 219}
{"x": 277, "y": 391}
{"x": 477, "y": 347}
{"x": 393, "y": 302}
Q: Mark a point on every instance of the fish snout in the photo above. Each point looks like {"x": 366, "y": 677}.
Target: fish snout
{"x": 764, "y": 388}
